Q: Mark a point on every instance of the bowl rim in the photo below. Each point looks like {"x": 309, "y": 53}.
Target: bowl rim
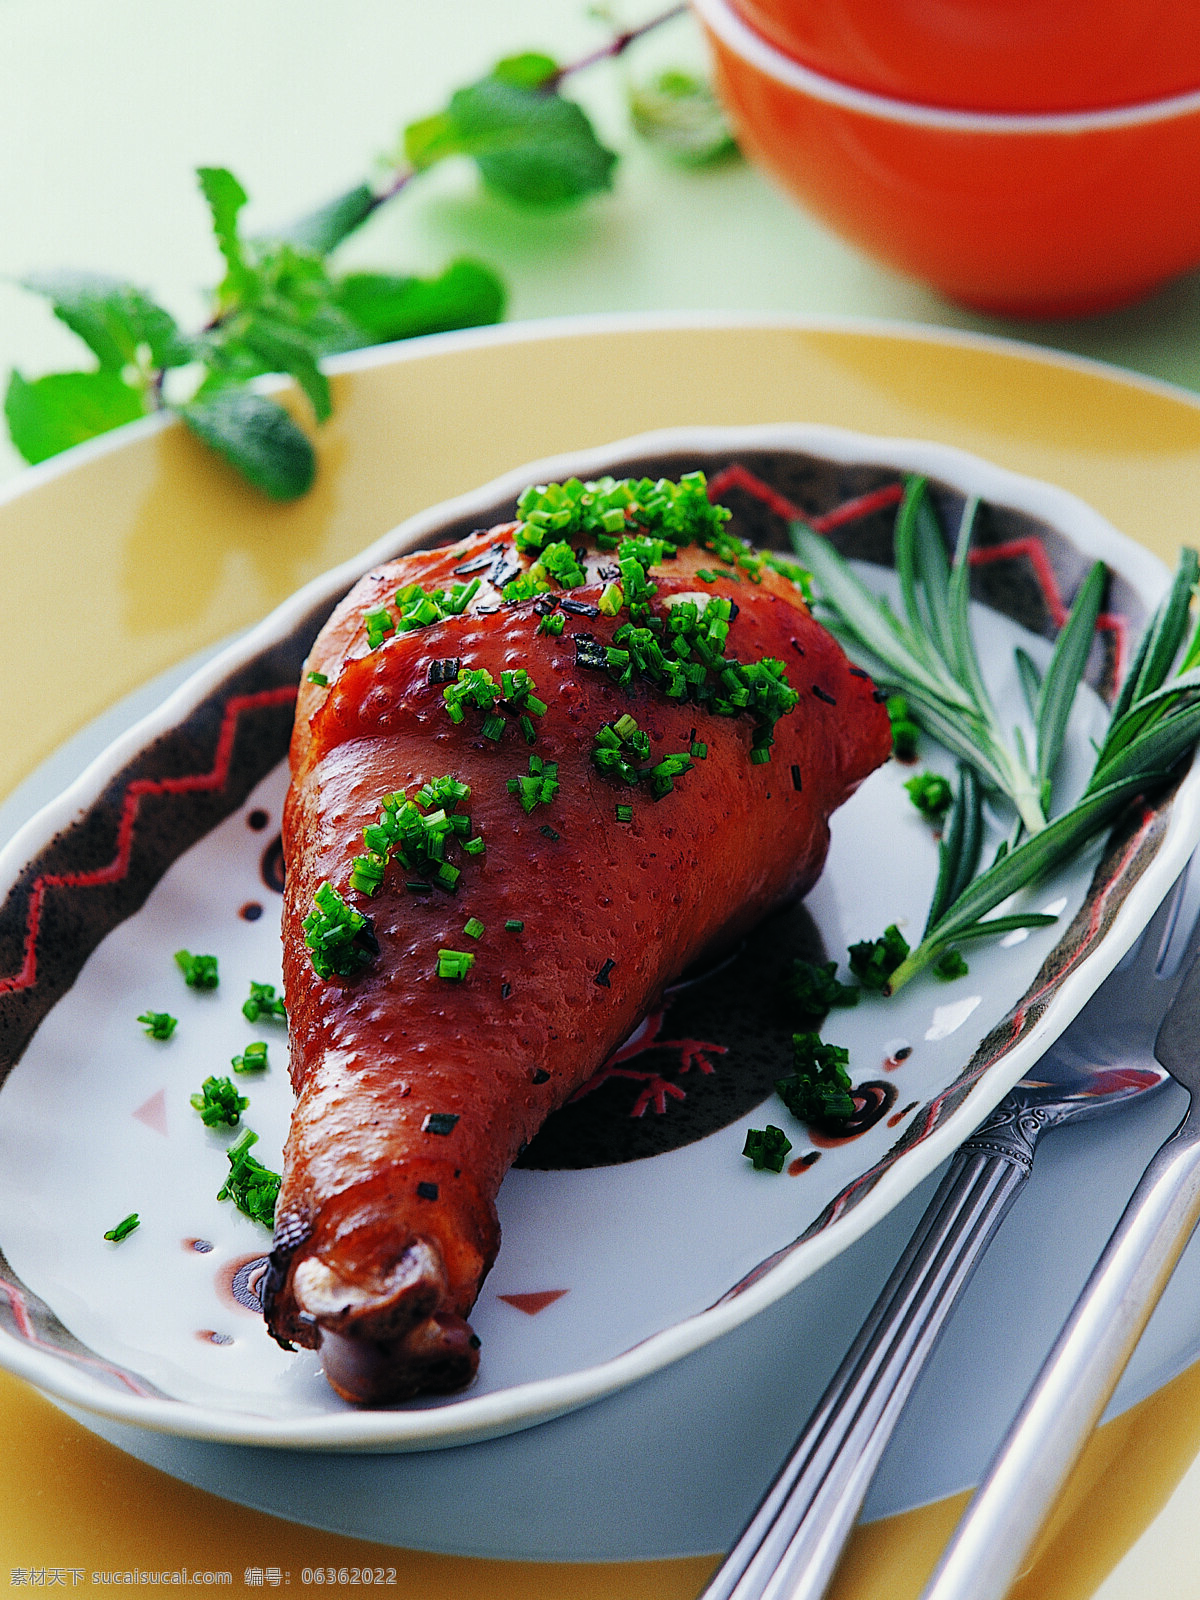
{"x": 721, "y": 20}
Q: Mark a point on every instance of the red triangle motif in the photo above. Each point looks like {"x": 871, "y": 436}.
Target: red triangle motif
{"x": 531, "y": 1304}
{"x": 153, "y": 1112}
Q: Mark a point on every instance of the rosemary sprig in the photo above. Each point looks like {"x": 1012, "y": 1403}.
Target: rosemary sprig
{"x": 929, "y": 653}
{"x": 1154, "y": 723}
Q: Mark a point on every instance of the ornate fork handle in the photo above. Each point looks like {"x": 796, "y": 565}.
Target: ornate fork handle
{"x": 791, "y": 1545}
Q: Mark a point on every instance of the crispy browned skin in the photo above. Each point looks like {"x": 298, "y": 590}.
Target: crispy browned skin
{"x": 367, "y": 1266}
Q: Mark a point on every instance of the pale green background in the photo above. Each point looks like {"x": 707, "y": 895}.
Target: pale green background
{"x": 106, "y": 106}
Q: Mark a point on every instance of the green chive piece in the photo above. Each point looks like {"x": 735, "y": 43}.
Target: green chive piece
{"x": 552, "y": 623}
{"x": 767, "y": 1148}
{"x": 818, "y": 1089}
{"x": 264, "y": 1002}
{"x": 252, "y": 1187}
{"x": 473, "y": 928}
{"x": 219, "y": 1103}
{"x": 814, "y": 990}
{"x": 611, "y": 600}
{"x": 950, "y": 965}
{"x": 905, "y": 732}
{"x": 873, "y": 961}
{"x": 158, "y": 1024}
{"x": 124, "y": 1228}
{"x": 514, "y": 925}
{"x": 199, "y": 972}
{"x": 454, "y": 964}
{"x": 340, "y": 940}
{"x": 378, "y": 624}
{"x": 538, "y": 787}
{"x": 624, "y": 813}
{"x": 319, "y": 678}
{"x": 252, "y": 1059}
{"x": 699, "y": 752}
{"x": 474, "y": 847}
{"x": 549, "y": 831}
{"x": 931, "y": 794}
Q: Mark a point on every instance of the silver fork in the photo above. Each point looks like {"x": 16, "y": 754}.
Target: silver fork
{"x": 1069, "y": 1394}
{"x": 791, "y": 1545}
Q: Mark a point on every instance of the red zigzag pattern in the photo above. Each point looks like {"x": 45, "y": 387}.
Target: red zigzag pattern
{"x": 26, "y": 976}
{"x": 739, "y": 477}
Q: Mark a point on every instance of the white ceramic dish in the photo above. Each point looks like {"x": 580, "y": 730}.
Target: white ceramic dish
{"x": 658, "y": 1255}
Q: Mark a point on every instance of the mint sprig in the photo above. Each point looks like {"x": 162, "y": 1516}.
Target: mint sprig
{"x": 281, "y": 307}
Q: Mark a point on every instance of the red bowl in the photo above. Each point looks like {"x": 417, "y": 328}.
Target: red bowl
{"x": 993, "y": 55}
{"x": 1039, "y": 216}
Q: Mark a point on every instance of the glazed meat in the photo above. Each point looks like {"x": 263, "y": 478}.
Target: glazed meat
{"x": 625, "y": 817}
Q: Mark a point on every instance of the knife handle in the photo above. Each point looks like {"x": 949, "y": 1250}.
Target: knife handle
{"x": 1068, "y": 1397}
{"x": 792, "y": 1543}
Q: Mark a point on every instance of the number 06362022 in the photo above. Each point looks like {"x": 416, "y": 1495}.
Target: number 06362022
{"x": 349, "y": 1575}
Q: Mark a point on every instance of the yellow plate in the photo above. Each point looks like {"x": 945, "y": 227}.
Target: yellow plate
{"x": 127, "y": 555}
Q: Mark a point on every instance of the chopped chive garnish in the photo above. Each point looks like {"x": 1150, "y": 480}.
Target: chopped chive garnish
{"x": 474, "y": 847}
{"x": 549, "y": 831}
{"x": 552, "y": 623}
{"x": 767, "y": 1148}
{"x": 873, "y": 961}
{"x": 699, "y": 751}
{"x": 252, "y": 1187}
{"x": 905, "y": 731}
{"x": 608, "y": 509}
{"x": 814, "y": 989}
{"x": 493, "y": 727}
{"x": 199, "y": 972}
{"x": 319, "y": 678}
{"x": 124, "y": 1228}
{"x": 818, "y": 1089}
{"x": 473, "y": 928}
{"x": 252, "y": 1059}
{"x": 624, "y": 813}
{"x": 950, "y": 965}
{"x": 611, "y": 600}
{"x": 378, "y": 624}
{"x": 158, "y": 1024}
{"x": 454, "y": 964}
{"x": 538, "y": 787}
{"x": 931, "y": 794}
{"x": 219, "y": 1103}
{"x": 418, "y": 832}
{"x": 514, "y": 925}
{"x": 263, "y": 1002}
{"x": 341, "y": 941}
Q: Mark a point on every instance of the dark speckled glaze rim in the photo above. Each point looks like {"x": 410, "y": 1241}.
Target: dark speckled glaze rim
{"x": 88, "y": 861}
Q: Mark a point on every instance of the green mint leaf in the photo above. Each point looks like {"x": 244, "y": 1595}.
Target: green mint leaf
{"x": 323, "y": 229}
{"x": 466, "y": 295}
{"x": 529, "y": 144}
{"x": 257, "y": 437}
{"x": 679, "y": 115}
{"x": 280, "y": 348}
{"x": 432, "y": 139}
{"x": 116, "y": 320}
{"x": 225, "y": 197}
{"x": 64, "y": 408}
{"x": 528, "y": 71}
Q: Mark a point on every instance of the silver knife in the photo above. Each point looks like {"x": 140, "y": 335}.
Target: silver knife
{"x": 1031, "y": 1467}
